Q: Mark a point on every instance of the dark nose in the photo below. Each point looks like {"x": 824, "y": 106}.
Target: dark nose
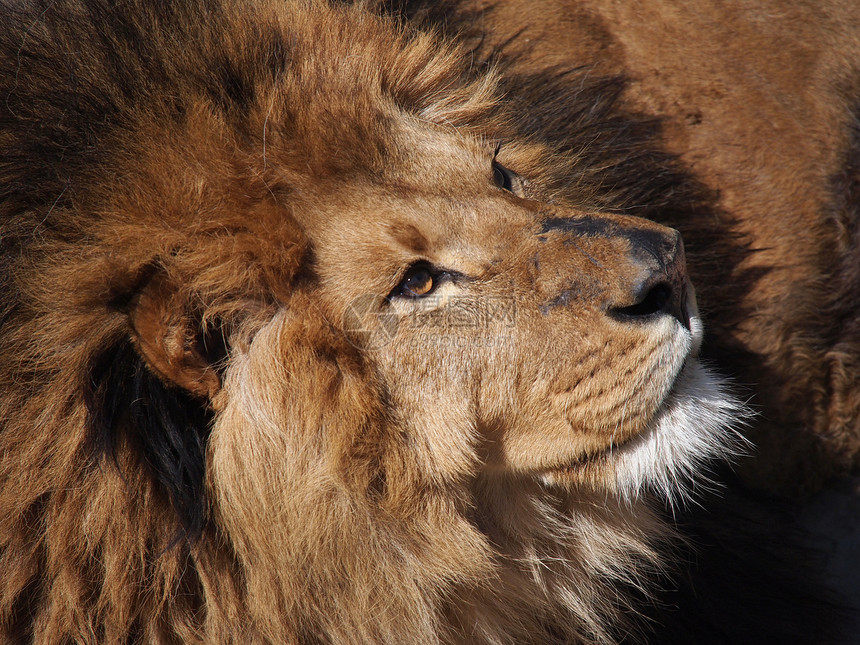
{"x": 662, "y": 289}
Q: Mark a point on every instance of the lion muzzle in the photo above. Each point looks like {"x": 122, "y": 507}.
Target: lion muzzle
{"x": 640, "y": 264}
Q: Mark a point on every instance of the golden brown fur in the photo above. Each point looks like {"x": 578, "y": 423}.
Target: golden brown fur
{"x": 223, "y": 419}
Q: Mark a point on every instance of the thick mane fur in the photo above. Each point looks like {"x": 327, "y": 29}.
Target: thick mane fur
{"x": 158, "y": 151}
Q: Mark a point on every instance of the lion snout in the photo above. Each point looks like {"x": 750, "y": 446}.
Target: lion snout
{"x": 662, "y": 286}
{"x": 630, "y": 268}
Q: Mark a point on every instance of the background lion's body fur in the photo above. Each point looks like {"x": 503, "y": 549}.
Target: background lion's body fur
{"x": 109, "y": 536}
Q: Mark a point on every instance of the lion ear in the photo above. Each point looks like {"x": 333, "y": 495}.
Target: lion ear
{"x": 172, "y": 341}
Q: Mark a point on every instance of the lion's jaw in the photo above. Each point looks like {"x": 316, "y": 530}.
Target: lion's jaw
{"x": 694, "y": 426}
{"x": 696, "y": 423}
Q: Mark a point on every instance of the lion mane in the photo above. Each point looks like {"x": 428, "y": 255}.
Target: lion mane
{"x": 317, "y": 327}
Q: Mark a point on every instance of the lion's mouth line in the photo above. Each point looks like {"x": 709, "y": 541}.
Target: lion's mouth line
{"x": 607, "y": 454}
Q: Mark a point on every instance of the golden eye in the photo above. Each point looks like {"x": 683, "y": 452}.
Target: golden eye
{"x": 418, "y": 282}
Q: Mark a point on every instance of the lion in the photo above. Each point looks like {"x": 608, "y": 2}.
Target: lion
{"x": 316, "y": 328}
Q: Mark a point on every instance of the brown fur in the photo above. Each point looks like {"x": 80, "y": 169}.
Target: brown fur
{"x": 215, "y": 429}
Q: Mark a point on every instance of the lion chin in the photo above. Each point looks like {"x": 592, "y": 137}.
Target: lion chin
{"x": 695, "y": 423}
{"x": 310, "y": 336}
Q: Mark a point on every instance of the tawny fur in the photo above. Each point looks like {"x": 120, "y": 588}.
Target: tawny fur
{"x": 197, "y": 447}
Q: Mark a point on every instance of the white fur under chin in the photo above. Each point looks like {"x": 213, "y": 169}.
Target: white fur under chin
{"x": 697, "y": 424}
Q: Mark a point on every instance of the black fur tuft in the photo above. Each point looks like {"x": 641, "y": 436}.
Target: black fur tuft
{"x": 167, "y": 428}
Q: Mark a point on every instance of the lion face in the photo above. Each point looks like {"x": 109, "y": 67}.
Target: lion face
{"x": 503, "y": 333}
{"x": 459, "y": 352}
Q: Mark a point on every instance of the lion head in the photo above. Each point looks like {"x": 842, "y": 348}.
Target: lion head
{"x": 305, "y": 341}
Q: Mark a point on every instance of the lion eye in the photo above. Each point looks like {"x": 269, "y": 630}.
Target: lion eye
{"x": 418, "y": 282}
{"x": 505, "y": 178}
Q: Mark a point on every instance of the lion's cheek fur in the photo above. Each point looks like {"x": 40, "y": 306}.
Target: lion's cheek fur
{"x": 419, "y": 546}
{"x": 335, "y": 488}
